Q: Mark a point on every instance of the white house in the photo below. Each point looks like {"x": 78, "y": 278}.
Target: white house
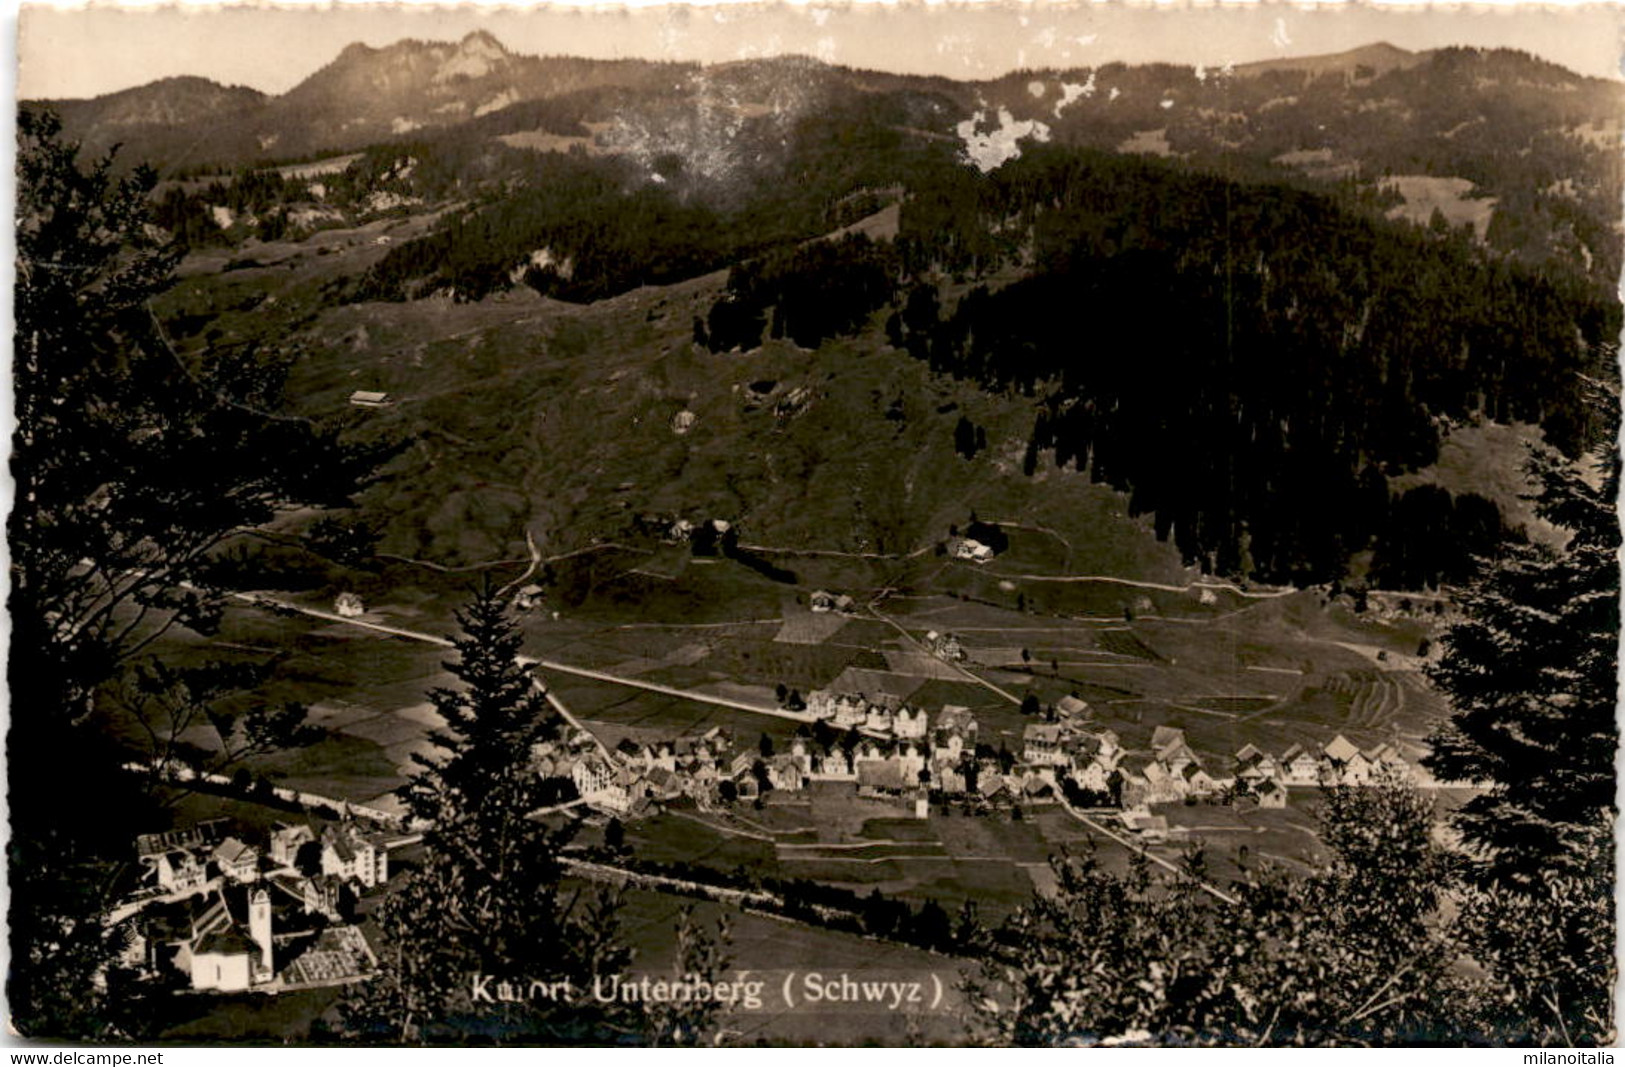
{"x": 349, "y": 605}
{"x": 1299, "y": 766}
{"x": 180, "y": 872}
{"x": 350, "y": 854}
{"x": 602, "y": 785}
{"x": 1041, "y": 745}
{"x": 237, "y": 861}
{"x": 286, "y": 840}
{"x": 909, "y": 723}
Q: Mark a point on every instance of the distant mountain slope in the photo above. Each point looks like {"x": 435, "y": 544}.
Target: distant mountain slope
{"x": 169, "y": 102}
{"x": 1523, "y": 150}
{"x": 364, "y": 96}
{"x": 1365, "y": 62}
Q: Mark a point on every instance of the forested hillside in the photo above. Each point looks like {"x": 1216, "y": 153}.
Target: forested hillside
{"x": 1221, "y": 293}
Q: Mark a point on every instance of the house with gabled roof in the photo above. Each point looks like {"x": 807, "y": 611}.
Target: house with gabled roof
{"x": 1071, "y": 707}
{"x": 286, "y": 841}
{"x": 881, "y": 777}
{"x": 1299, "y": 766}
{"x": 785, "y": 773}
{"x": 1388, "y": 760}
{"x": 237, "y": 861}
{"x": 1041, "y": 745}
{"x": 1253, "y": 764}
{"x": 180, "y": 871}
{"x": 851, "y": 711}
{"x": 1092, "y": 776}
{"x": 1347, "y": 765}
{"x": 832, "y": 766}
{"x": 1150, "y": 828}
{"x": 1270, "y": 794}
{"x": 958, "y": 720}
{"x": 879, "y": 719}
{"x": 1163, "y": 786}
{"x": 351, "y": 854}
{"x": 909, "y": 722}
{"x": 1197, "y": 782}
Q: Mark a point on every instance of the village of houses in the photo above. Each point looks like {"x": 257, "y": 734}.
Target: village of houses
{"x": 219, "y": 911}
{"x": 880, "y": 748}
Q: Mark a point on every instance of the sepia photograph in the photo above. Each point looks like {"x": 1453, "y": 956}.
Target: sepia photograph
{"x": 921, "y": 525}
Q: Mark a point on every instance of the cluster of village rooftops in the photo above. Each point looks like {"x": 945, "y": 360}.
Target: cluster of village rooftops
{"x": 221, "y": 908}
{"x": 225, "y": 909}
{"x": 883, "y": 748}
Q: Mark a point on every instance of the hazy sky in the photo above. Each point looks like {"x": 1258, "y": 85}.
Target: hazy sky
{"x": 84, "y": 52}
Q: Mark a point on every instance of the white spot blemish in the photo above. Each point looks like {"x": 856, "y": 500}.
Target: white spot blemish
{"x": 1071, "y": 91}
{"x": 991, "y": 150}
{"x": 1280, "y": 38}
{"x": 1166, "y": 104}
{"x": 1201, "y": 73}
{"x": 1036, "y": 88}
{"x": 820, "y": 15}
{"x": 1114, "y": 94}
{"x": 1086, "y": 40}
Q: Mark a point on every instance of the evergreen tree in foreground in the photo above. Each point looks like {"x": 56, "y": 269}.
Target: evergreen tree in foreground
{"x": 1533, "y": 675}
{"x": 490, "y": 915}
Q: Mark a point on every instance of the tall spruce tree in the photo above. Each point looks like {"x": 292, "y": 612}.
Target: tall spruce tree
{"x": 489, "y": 920}
{"x": 1532, "y": 674}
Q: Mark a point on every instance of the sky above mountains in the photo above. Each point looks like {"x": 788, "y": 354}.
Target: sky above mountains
{"x": 87, "y": 52}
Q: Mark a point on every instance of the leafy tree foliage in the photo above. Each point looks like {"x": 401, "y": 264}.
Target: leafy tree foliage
{"x": 131, "y": 466}
{"x": 1352, "y": 955}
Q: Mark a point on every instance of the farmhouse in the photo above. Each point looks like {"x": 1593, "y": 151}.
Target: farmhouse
{"x": 823, "y": 602}
{"x": 1344, "y": 763}
{"x": 967, "y": 549}
{"x": 1299, "y": 766}
{"x": 1253, "y": 764}
{"x": 1070, "y": 707}
{"x": 1271, "y": 794}
{"x": 349, "y": 605}
{"x": 362, "y": 398}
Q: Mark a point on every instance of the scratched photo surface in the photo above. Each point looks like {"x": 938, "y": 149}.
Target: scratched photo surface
{"x": 1003, "y": 525}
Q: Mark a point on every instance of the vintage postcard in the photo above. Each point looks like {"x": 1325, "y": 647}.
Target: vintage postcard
{"x": 1013, "y": 524}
